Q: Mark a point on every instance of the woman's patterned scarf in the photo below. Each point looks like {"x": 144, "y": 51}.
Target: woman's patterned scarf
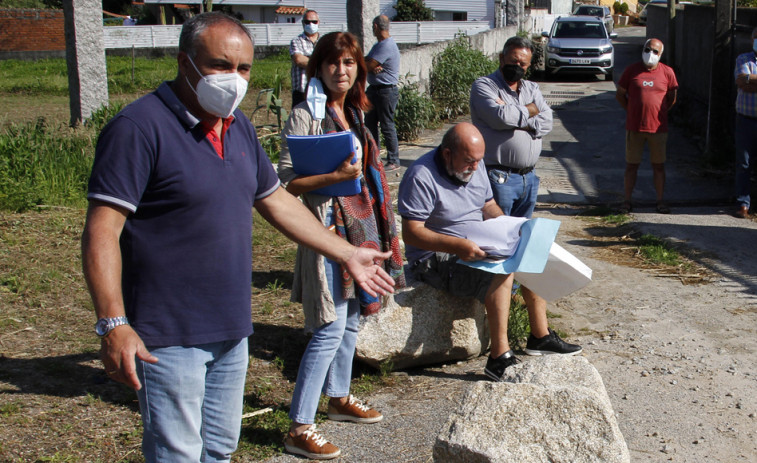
{"x": 366, "y": 219}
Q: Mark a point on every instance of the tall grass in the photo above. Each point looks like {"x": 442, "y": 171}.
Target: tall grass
{"x": 41, "y": 165}
{"x": 50, "y": 166}
{"x": 49, "y": 76}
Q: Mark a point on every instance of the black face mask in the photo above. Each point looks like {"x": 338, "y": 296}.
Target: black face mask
{"x": 512, "y": 72}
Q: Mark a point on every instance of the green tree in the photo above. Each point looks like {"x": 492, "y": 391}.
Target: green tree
{"x": 412, "y": 10}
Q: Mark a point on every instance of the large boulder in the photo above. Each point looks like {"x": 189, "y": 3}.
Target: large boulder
{"x": 556, "y": 409}
{"x": 422, "y": 325}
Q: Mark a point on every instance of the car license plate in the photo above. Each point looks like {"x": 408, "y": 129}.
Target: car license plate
{"x": 580, "y": 61}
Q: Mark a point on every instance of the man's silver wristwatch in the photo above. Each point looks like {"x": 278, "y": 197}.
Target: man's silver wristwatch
{"x": 106, "y": 325}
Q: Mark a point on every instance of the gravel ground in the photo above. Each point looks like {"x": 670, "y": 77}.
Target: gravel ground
{"x": 678, "y": 361}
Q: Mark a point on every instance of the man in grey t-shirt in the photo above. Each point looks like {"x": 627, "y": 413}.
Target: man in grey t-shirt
{"x": 383, "y": 63}
{"x": 441, "y": 193}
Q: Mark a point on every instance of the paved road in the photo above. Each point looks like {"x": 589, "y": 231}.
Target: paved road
{"x": 583, "y": 157}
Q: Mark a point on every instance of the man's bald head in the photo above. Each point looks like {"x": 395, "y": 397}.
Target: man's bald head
{"x": 655, "y": 44}
{"x": 462, "y": 149}
{"x": 461, "y": 134}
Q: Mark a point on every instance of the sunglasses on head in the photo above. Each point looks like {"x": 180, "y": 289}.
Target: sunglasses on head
{"x": 310, "y": 21}
{"x": 647, "y": 50}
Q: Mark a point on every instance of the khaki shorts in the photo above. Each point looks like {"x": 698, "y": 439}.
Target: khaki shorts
{"x": 635, "y": 146}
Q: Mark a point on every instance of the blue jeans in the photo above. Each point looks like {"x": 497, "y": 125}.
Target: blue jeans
{"x": 326, "y": 365}
{"x": 191, "y": 401}
{"x": 384, "y": 101}
{"x": 746, "y": 151}
{"x": 515, "y": 193}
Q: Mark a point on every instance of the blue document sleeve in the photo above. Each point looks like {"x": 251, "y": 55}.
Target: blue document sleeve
{"x": 321, "y": 154}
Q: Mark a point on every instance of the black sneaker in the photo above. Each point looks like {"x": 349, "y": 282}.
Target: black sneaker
{"x": 550, "y": 344}
{"x": 495, "y": 368}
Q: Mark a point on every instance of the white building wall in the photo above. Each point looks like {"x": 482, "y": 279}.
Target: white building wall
{"x": 330, "y": 12}
{"x": 478, "y": 10}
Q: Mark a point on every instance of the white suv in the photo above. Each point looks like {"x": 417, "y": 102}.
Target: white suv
{"x": 579, "y": 44}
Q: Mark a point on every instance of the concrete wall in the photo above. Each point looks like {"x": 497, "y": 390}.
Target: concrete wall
{"x": 418, "y": 62}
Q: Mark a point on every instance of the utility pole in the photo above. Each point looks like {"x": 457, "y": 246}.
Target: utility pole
{"x": 85, "y": 58}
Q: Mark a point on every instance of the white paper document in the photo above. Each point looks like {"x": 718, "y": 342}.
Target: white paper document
{"x": 531, "y": 252}
{"x": 538, "y": 262}
{"x": 497, "y": 237}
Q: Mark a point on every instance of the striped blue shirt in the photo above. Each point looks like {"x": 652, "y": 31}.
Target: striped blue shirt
{"x": 746, "y": 102}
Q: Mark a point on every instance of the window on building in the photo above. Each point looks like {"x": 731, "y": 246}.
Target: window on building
{"x": 450, "y": 15}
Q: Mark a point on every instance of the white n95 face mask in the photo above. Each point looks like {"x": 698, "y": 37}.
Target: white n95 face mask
{"x": 219, "y": 94}
{"x": 650, "y": 59}
{"x": 316, "y": 99}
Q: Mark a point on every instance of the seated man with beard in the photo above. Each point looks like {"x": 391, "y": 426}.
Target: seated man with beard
{"x": 440, "y": 194}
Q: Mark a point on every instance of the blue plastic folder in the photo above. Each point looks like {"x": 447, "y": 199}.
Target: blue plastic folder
{"x": 321, "y": 154}
{"x": 536, "y": 238}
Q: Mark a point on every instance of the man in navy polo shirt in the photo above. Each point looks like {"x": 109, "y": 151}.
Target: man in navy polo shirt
{"x": 166, "y": 248}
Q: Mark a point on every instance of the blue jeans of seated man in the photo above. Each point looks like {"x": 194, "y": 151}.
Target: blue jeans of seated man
{"x": 746, "y": 157}
{"x": 515, "y": 193}
{"x": 384, "y": 101}
{"x": 326, "y": 365}
{"x": 191, "y": 401}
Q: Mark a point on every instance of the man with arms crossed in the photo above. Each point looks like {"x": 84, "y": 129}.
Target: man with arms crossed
{"x": 300, "y": 49}
{"x": 441, "y": 193}
{"x": 513, "y": 116}
{"x": 166, "y": 248}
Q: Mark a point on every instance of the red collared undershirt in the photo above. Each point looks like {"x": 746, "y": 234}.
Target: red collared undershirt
{"x": 210, "y": 133}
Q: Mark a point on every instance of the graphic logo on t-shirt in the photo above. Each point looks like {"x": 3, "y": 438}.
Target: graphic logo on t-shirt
{"x": 647, "y": 83}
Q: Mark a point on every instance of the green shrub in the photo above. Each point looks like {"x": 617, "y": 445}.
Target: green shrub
{"x": 452, "y": 75}
{"x": 415, "y": 112}
{"x": 518, "y": 327}
{"x": 616, "y": 7}
{"x": 624, "y": 8}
